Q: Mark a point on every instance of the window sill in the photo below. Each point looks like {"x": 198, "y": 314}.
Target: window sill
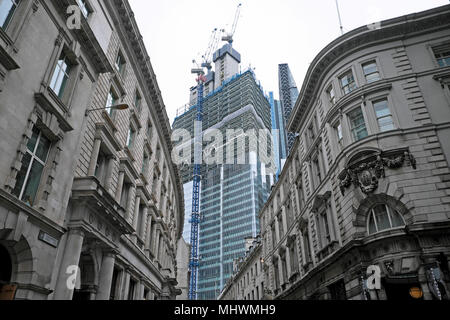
{"x": 381, "y": 85}
{"x": 135, "y": 119}
{"x": 144, "y": 179}
{"x": 327, "y": 250}
{"x": 51, "y": 103}
{"x": 119, "y": 83}
{"x": 109, "y": 121}
{"x": 148, "y": 145}
{"x": 307, "y": 266}
{"x": 130, "y": 154}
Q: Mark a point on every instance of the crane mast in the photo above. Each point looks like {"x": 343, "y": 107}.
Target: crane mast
{"x": 229, "y": 37}
{"x": 216, "y": 36}
{"x": 197, "y": 178}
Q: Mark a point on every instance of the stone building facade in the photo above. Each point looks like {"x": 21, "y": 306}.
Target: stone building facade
{"x": 367, "y": 185}
{"x": 91, "y": 206}
{"x": 247, "y": 281}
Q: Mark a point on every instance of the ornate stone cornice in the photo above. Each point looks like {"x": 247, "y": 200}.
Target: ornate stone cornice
{"x": 363, "y": 37}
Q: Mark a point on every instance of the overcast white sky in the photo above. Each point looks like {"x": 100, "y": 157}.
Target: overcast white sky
{"x": 269, "y": 32}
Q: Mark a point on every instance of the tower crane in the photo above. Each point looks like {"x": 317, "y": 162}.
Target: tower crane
{"x": 198, "y": 157}
{"x": 229, "y": 37}
{"x": 212, "y": 47}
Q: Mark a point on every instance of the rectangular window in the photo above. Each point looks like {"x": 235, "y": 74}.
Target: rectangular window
{"x": 384, "y": 116}
{"x": 137, "y": 101}
{"x": 339, "y": 135}
{"x": 331, "y": 95}
{"x": 306, "y": 246}
{"x": 358, "y": 125}
{"x": 276, "y": 275}
{"x": 371, "y": 73}
{"x": 149, "y": 130}
{"x": 274, "y": 237}
{"x": 111, "y": 101}
{"x": 60, "y": 75}
{"x": 443, "y": 56}
{"x": 348, "y": 83}
{"x": 33, "y": 164}
{"x": 131, "y": 290}
{"x": 120, "y": 63}
{"x": 324, "y": 229}
{"x": 125, "y": 193}
{"x": 280, "y": 226}
{"x": 145, "y": 164}
{"x": 293, "y": 257}
{"x": 84, "y": 8}
{"x": 7, "y": 9}
{"x": 130, "y": 138}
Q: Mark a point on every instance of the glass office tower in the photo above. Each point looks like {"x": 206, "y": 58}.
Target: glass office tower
{"x": 232, "y": 193}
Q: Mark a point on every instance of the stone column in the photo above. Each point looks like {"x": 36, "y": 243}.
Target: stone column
{"x": 106, "y": 275}
{"x": 148, "y": 235}
{"x": 109, "y": 173}
{"x": 120, "y": 186}
{"x": 157, "y": 245}
{"x": 130, "y": 202}
{"x": 94, "y": 157}
{"x": 125, "y": 285}
{"x": 140, "y": 295}
{"x": 136, "y": 212}
{"x": 71, "y": 259}
{"x": 143, "y": 223}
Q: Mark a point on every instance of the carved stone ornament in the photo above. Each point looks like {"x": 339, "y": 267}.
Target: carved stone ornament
{"x": 366, "y": 171}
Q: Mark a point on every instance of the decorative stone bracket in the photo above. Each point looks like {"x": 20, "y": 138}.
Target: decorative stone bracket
{"x": 367, "y": 173}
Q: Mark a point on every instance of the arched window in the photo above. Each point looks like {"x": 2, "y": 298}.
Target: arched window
{"x": 383, "y": 218}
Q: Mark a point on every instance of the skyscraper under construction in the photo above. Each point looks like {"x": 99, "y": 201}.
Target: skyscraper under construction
{"x": 236, "y": 186}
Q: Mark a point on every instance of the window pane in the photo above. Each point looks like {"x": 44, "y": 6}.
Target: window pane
{"x": 43, "y": 148}
{"x": 358, "y": 124}
{"x": 373, "y": 77}
{"x": 34, "y": 179}
{"x": 372, "y": 226}
{"x": 386, "y": 124}
{"x": 20, "y": 179}
{"x": 32, "y": 141}
{"x": 7, "y": 8}
{"x": 396, "y": 219}
{"x": 60, "y": 76}
{"x": 382, "y": 218}
{"x": 370, "y": 68}
{"x": 381, "y": 109}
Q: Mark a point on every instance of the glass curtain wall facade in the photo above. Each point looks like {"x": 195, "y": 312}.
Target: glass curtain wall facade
{"x": 288, "y": 96}
{"x": 231, "y": 194}
{"x": 278, "y": 134}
